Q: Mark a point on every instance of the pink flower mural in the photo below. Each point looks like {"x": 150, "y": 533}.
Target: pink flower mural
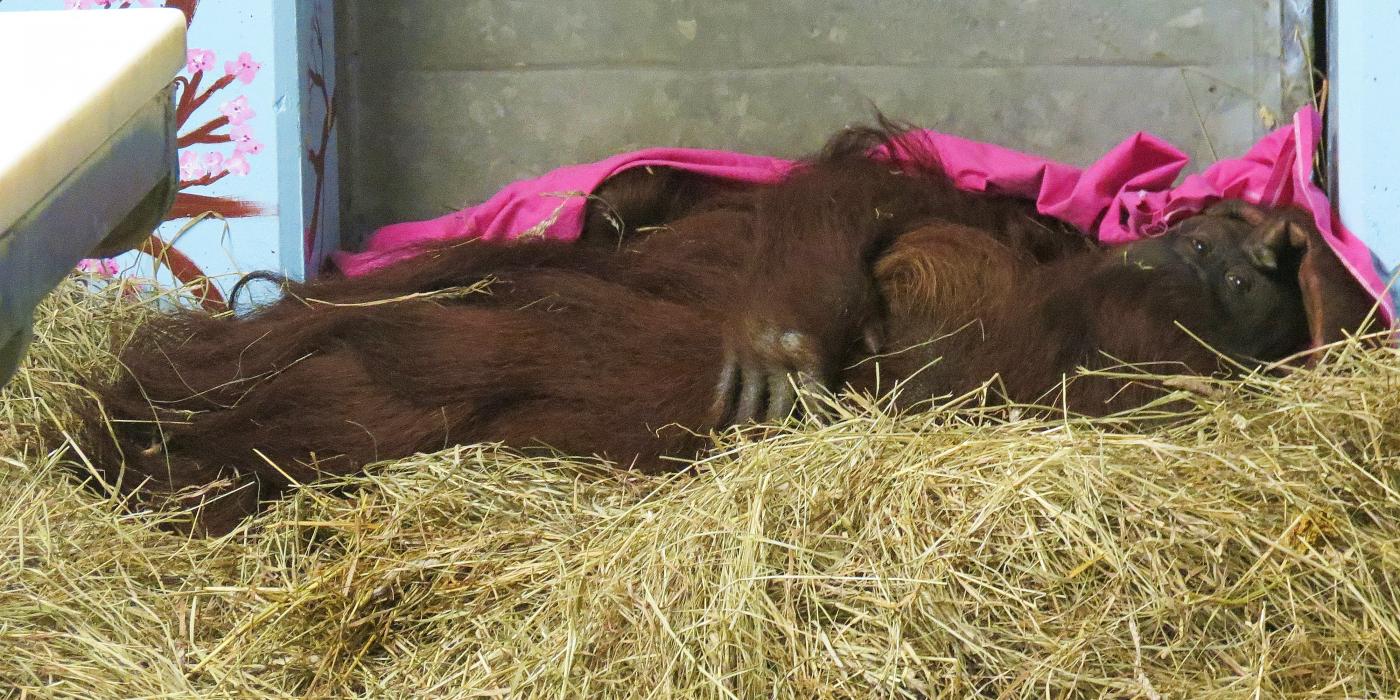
{"x": 237, "y": 111}
{"x": 212, "y": 163}
{"x": 198, "y": 60}
{"x": 243, "y": 140}
{"x": 190, "y": 166}
{"x": 199, "y": 167}
{"x": 218, "y": 133}
{"x": 232, "y": 126}
{"x": 245, "y": 69}
{"x": 108, "y": 4}
{"x": 105, "y": 267}
{"x": 237, "y": 165}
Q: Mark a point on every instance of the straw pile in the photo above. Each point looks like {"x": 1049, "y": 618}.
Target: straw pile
{"x": 1252, "y": 550}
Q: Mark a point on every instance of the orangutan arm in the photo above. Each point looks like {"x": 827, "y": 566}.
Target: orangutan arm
{"x": 807, "y": 295}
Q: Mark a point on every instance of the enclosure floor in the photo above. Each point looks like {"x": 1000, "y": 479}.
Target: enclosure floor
{"x": 1251, "y": 550}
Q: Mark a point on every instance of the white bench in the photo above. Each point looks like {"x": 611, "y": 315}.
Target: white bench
{"x": 87, "y": 147}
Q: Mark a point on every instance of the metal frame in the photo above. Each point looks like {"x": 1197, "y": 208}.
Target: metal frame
{"x": 109, "y": 203}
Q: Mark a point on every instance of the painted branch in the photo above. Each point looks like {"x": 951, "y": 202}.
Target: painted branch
{"x": 189, "y": 205}
{"x": 203, "y": 181}
{"x": 182, "y": 110}
{"x": 185, "y": 270}
{"x": 318, "y": 163}
{"x": 215, "y": 138}
{"x": 205, "y": 134}
{"x": 198, "y": 102}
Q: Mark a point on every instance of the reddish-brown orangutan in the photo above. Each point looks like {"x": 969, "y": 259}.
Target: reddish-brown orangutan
{"x": 703, "y": 309}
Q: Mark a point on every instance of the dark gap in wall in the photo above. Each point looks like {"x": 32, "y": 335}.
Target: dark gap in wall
{"x": 1319, "y": 44}
{"x": 1326, "y": 171}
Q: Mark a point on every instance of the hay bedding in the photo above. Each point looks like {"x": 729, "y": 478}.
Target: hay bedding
{"x": 1253, "y": 551}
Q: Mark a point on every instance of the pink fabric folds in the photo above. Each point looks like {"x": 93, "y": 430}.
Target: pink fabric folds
{"x": 1123, "y": 196}
{"x": 549, "y": 206}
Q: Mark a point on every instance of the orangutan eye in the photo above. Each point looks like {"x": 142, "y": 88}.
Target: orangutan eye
{"x": 1239, "y": 283}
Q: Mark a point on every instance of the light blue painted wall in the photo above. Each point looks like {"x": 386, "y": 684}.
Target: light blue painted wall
{"x": 274, "y": 33}
{"x": 1365, "y": 123}
{"x": 228, "y": 29}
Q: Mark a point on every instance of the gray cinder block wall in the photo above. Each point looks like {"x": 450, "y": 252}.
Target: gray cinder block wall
{"x": 442, "y": 102}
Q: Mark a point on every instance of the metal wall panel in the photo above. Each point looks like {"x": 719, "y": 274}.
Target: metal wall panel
{"x": 445, "y": 101}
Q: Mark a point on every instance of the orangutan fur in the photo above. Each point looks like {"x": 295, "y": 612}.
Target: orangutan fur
{"x": 705, "y": 307}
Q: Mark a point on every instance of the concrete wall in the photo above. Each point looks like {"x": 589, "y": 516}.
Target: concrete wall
{"x": 445, "y": 101}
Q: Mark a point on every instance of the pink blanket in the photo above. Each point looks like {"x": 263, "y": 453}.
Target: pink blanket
{"x": 1125, "y": 195}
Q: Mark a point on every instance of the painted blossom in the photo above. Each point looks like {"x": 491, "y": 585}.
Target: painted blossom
{"x": 237, "y": 110}
{"x": 95, "y": 4}
{"x": 199, "y": 60}
{"x": 245, "y": 67}
{"x": 244, "y": 141}
{"x": 190, "y": 168}
{"x": 213, "y": 162}
{"x": 237, "y": 165}
{"x": 103, "y": 267}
